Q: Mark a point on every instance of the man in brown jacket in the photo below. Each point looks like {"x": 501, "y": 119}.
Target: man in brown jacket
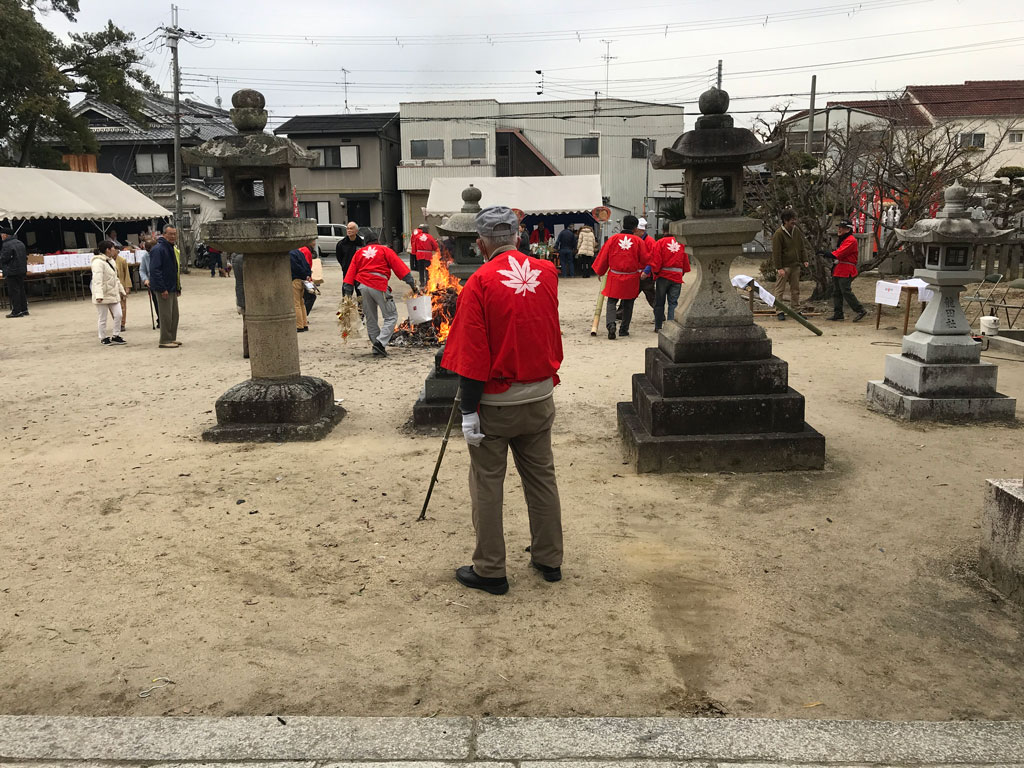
{"x": 789, "y": 252}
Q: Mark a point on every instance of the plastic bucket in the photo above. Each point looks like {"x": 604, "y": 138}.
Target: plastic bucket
{"x": 989, "y": 325}
{"x": 420, "y": 310}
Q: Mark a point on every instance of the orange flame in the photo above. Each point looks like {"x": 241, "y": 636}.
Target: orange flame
{"x": 439, "y": 280}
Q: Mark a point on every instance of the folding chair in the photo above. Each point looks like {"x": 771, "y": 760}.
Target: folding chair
{"x": 992, "y": 280}
{"x": 1002, "y": 304}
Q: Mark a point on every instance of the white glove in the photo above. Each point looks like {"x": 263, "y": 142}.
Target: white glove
{"x": 471, "y": 428}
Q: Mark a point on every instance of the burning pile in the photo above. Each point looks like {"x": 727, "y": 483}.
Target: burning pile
{"x": 444, "y": 291}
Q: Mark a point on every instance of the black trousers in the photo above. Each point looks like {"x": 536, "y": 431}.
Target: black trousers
{"x": 842, "y": 288}
{"x": 16, "y": 292}
{"x": 627, "y": 313}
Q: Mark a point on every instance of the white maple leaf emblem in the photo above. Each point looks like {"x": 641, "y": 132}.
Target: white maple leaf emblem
{"x": 370, "y": 252}
{"x": 423, "y": 238}
{"x": 521, "y": 277}
{"x": 625, "y": 243}
{"x": 674, "y": 246}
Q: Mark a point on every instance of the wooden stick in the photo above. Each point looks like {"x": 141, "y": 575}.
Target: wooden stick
{"x": 598, "y": 307}
{"x": 440, "y": 455}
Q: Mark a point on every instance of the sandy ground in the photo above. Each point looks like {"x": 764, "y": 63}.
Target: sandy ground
{"x": 293, "y": 578}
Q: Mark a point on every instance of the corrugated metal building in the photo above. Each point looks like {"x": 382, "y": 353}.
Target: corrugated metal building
{"x": 608, "y": 137}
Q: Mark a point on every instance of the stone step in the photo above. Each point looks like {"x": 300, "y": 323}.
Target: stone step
{"x": 431, "y": 414}
{"x": 740, "y": 377}
{"x": 716, "y": 414}
{"x": 885, "y": 398}
{"x": 757, "y": 452}
{"x": 941, "y": 379}
{"x": 441, "y": 386}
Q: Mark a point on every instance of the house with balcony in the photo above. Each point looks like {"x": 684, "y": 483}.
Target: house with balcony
{"x": 612, "y": 138}
{"x": 355, "y": 178}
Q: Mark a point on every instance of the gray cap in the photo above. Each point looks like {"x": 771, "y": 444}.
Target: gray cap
{"x": 496, "y": 221}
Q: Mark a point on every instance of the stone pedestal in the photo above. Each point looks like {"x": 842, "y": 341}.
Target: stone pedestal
{"x": 1001, "y": 560}
{"x": 713, "y": 397}
{"x": 939, "y": 375}
{"x": 434, "y": 406}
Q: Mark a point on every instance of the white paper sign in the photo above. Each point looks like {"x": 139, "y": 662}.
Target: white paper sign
{"x": 887, "y": 293}
{"x": 924, "y": 293}
{"x": 742, "y": 281}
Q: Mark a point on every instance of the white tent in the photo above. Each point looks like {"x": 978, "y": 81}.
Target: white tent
{"x": 34, "y": 193}
{"x": 530, "y": 194}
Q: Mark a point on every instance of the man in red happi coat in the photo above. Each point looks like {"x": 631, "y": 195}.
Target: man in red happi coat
{"x": 843, "y": 272}
{"x": 371, "y": 268}
{"x": 506, "y": 346}
{"x": 622, "y": 257}
{"x": 423, "y": 245}
{"x": 667, "y": 263}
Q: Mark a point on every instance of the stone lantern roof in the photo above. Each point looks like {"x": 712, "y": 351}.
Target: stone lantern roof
{"x": 953, "y": 224}
{"x": 251, "y": 148}
{"x": 463, "y": 224}
{"x": 715, "y": 141}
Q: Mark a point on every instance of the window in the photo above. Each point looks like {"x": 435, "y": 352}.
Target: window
{"x": 336, "y": 157}
{"x": 1016, "y": 137}
{"x": 972, "y": 140}
{"x": 151, "y": 163}
{"x": 318, "y": 211}
{"x": 469, "y": 148}
{"x": 644, "y": 147}
{"x": 428, "y": 149}
{"x": 581, "y": 147}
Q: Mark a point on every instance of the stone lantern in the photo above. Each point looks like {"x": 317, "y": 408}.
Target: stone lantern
{"x": 939, "y": 375}
{"x": 462, "y": 227}
{"x": 277, "y": 403}
{"x": 713, "y": 397}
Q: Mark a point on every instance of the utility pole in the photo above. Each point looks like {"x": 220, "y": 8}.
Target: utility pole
{"x": 719, "y": 79}
{"x": 607, "y": 61}
{"x": 173, "y": 36}
{"x": 344, "y": 72}
{"x": 810, "y": 116}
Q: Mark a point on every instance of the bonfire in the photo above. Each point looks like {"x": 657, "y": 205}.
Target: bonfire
{"x": 444, "y": 290}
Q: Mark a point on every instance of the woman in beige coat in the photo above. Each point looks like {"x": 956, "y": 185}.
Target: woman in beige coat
{"x": 585, "y": 246}
{"x": 107, "y": 291}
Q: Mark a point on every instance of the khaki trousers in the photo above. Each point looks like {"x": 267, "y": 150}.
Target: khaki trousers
{"x": 168, "y": 317}
{"x": 298, "y": 293}
{"x": 792, "y": 279}
{"x": 526, "y": 429}
{"x": 124, "y": 312}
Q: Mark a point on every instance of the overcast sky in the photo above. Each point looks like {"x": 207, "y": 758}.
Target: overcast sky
{"x": 665, "y": 52}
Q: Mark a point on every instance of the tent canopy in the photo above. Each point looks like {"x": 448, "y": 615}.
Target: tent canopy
{"x": 35, "y": 193}
{"x": 530, "y": 194}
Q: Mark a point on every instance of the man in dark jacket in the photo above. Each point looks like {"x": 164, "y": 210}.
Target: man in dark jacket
{"x": 566, "y": 245}
{"x": 14, "y": 265}
{"x": 165, "y": 282}
{"x": 301, "y": 272}
{"x": 347, "y": 248}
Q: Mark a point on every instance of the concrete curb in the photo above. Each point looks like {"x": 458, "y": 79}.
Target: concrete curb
{"x": 329, "y": 742}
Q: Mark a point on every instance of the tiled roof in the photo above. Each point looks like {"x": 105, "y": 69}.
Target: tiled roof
{"x": 199, "y": 122}
{"x": 165, "y": 189}
{"x": 975, "y": 98}
{"x": 369, "y": 122}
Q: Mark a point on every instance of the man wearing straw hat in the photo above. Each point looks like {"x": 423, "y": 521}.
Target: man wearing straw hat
{"x": 506, "y": 346}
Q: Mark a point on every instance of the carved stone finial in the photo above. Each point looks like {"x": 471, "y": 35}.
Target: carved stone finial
{"x": 714, "y": 101}
{"x": 249, "y": 114}
{"x": 471, "y": 199}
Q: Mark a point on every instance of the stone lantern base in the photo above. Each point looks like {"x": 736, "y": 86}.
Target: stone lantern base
{"x": 264, "y": 410}
{"x": 693, "y": 411}
{"x": 939, "y": 379}
{"x": 1001, "y": 560}
{"x": 434, "y": 406}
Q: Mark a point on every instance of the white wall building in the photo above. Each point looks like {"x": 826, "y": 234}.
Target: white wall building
{"x": 608, "y": 137}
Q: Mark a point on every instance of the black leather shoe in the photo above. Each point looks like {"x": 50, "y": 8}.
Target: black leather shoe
{"x": 549, "y": 573}
{"x": 837, "y": 318}
{"x": 379, "y": 350}
{"x": 468, "y": 578}
{"x": 611, "y": 331}
{"x": 860, "y": 316}
{"x": 782, "y": 315}
{"x": 623, "y": 333}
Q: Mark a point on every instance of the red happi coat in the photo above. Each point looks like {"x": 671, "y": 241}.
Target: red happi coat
{"x": 423, "y": 246}
{"x": 846, "y": 253}
{"x": 622, "y": 257}
{"x": 668, "y": 259}
{"x": 372, "y": 266}
{"x": 308, "y": 253}
{"x": 506, "y": 328}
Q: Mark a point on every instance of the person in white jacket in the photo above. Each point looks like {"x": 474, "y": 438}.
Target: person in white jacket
{"x": 107, "y": 291}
